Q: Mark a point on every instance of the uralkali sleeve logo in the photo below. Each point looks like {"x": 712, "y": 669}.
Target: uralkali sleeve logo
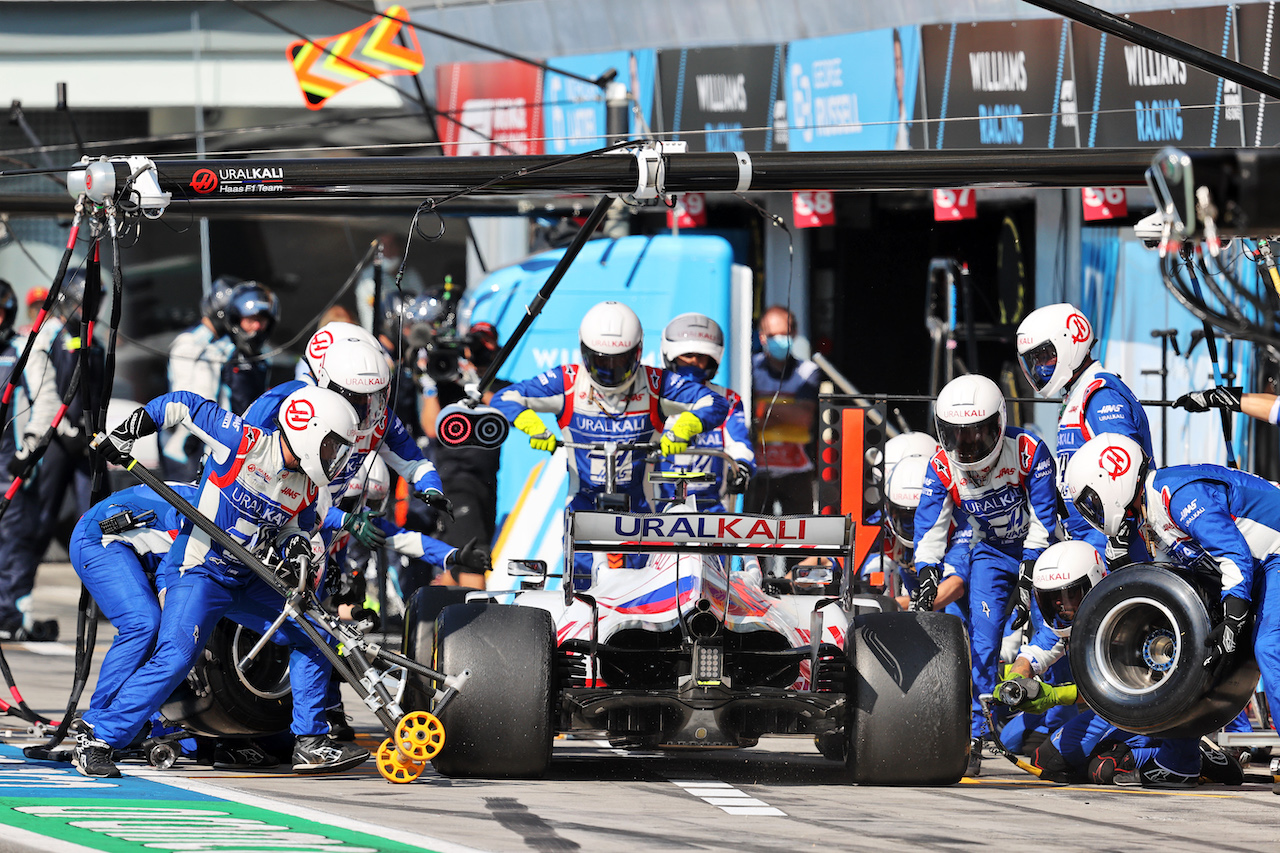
{"x": 720, "y": 531}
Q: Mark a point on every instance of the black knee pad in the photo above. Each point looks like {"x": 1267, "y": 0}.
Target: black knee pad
{"x": 1104, "y": 766}
{"x": 1053, "y": 767}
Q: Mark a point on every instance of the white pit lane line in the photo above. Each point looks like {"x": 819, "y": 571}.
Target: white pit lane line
{"x": 727, "y": 798}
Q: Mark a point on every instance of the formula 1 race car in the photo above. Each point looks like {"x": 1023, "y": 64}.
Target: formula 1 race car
{"x": 688, "y": 652}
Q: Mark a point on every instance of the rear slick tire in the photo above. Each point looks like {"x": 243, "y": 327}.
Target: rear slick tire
{"x": 908, "y": 712}
{"x": 1137, "y": 655}
{"x": 499, "y": 725}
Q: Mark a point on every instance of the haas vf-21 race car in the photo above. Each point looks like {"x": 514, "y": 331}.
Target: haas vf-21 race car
{"x": 686, "y": 653}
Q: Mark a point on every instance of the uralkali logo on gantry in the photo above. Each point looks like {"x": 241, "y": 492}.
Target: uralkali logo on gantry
{"x": 255, "y": 179}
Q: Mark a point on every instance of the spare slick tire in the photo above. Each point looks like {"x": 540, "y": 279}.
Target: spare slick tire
{"x": 220, "y": 697}
{"x": 420, "y": 613}
{"x": 1137, "y": 654}
{"x": 500, "y": 724}
{"x": 907, "y": 717}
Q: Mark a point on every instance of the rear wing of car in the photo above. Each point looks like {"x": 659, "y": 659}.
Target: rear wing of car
{"x": 709, "y": 533}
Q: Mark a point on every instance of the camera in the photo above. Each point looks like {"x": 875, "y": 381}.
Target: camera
{"x": 442, "y": 354}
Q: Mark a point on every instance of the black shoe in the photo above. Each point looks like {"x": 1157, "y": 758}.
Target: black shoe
{"x": 323, "y": 754}
{"x": 91, "y": 756}
{"x": 43, "y": 631}
{"x": 339, "y": 725}
{"x": 975, "y": 758}
{"x": 1218, "y": 766}
{"x": 241, "y": 755}
{"x": 1151, "y": 775}
{"x": 14, "y": 631}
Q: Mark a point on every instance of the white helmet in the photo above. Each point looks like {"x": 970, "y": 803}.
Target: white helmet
{"x": 1053, "y": 343}
{"x": 357, "y": 369}
{"x": 970, "y": 418}
{"x": 693, "y": 334}
{"x": 320, "y": 429}
{"x": 907, "y": 444}
{"x": 372, "y": 483}
{"x": 902, "y": 496}
{"x": 1065, "y": 572}
{"x": 1103, "y": 478}
{"x": 611, "y": 340}
{"x": 335, "y": 331}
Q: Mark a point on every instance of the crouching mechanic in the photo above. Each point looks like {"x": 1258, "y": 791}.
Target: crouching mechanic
{"x": 693, "y": 347}
{"x": 611, "y": 397}
{"x": 346, "y": 359}
{"x": 265, "y": 488}
{"x": 1087, "y": 747}
{"x": 1002, "y": 479}
{"x": 1208, "y": 516}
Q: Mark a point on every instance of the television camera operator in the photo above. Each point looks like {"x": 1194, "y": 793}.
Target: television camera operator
{"x": 448, "y": 362}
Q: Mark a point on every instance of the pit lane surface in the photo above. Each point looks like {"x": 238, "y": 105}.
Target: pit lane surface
{"x": 780, "y": 795}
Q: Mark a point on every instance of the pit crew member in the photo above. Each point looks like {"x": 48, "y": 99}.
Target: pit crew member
{"x": 196, "y": 359}
{"x": 1054, "y": 345}
{"x": 610, "y": 397}
{"x": 693, "y": 347}
{"x": 1087, "y": 747}
{"x": 264, "y": 488}
{"x": 1001, "y": 477}
{"x": 901, "y": 499}
{"x": 1207, "y": 515}
{"x": 348, "y": 360}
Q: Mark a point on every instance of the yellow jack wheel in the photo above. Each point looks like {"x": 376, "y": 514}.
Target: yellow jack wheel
{"x": 394, "y": 767}
{"x": 420, "y": 735}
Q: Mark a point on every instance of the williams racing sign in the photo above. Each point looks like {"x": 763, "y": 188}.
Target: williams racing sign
{"x": 815, "y": 535}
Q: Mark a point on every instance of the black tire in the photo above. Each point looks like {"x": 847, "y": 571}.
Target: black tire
{"x": 1112, "y": 656}
{"x": 500, "y": 723}
{"x": 908, "y": 712}
{"x": 420, "y": 613}
{"x": 217, "y": 699}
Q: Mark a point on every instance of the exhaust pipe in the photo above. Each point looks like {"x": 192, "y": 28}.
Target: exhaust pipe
{"x": 703, "y": 624}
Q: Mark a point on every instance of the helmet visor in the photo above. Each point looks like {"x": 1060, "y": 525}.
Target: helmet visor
{"x": 334, "y": 451}
{"x": 1059, "y": 606}
{"x": 363, "y": 403}
{"x": 611, "y": 370}
{"x": 1039, "y": 363}
{"x": 970, "y": 443}
{"x": 902, "y": 521}
{"x": 1089, "y": 505}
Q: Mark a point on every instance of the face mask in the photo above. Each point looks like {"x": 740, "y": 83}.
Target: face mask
{"x": 778, "y": 346}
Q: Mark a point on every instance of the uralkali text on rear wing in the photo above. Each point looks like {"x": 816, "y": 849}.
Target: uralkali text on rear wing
{"x": 811, "y": 535}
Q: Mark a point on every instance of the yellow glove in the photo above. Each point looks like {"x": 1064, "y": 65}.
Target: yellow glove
{"x": 1049, "y": 696}
{"x": 679, "y": 433}
{"x": 539, "y": 438}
